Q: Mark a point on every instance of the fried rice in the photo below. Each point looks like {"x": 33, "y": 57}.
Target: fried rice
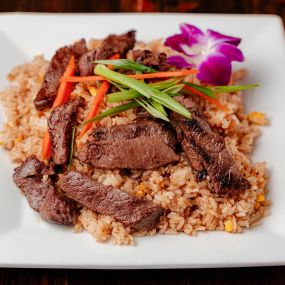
{"x": 191, "y": 205}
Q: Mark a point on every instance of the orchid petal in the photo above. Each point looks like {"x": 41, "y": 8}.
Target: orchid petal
{"x": 179, "y": 61}
{"x": 187, "y": 50}
{"x": 220, "y": 38}
{"x": 211, "y": 52}
{"x": 175, "y": 42}
{"x": 192, "y": 34}
{"x": 215, "y": 69}
{"x": 230, "y": 51}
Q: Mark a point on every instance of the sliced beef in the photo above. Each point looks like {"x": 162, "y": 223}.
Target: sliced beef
{"x": 47, "y": 94}
{"x": 139, "y": 214}
{"x": 56, "y": 209}
{"x": 207, "y": 151}
{"x": 137, "y": 153}
{"x": 144, "y": 144}
{"x": 40, "y": 192}
{"x": 113, "y": 44}
{"x": 141, "y": 128}
{"x": 151, "y": 59}
{"x": 60, "y": 124}
{"x": 86, "y": 65}
{"x": 28, "y": 177}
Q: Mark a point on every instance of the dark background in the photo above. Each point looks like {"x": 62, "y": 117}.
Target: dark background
{"x": 239, "y": 276}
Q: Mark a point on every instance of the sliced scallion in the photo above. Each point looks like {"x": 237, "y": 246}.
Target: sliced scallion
{"x": 144, "y": 89}
{"x": 153, "y": 111}
{"x": 127, "y": 64}
{"x": 112, "y": 112}
{"x": 205, "y": 90}
{"x": 71, "y": 147}
{"x": 174, "y": 89}
{"x": 233, "y": 88}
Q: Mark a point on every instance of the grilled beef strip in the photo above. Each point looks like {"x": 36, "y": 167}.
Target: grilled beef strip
{"x": 60, "y": 123}
{"x": 139, "y": 214}
{"x": 41, "y": 193}
{"x": 207, "y": 151}
{"x": 47, "y": 94}
{"x": 140, "y": 128}
{"x": 113, "y": 44}
{"x": 151, "y": 59}
{"x": 141, "y": 145}
{"x": 137, "y": 153}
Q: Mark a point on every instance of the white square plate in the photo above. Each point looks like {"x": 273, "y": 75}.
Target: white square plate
{"x": 25, "y": 241}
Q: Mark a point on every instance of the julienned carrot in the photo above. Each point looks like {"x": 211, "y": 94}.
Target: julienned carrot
{"x": 63, "y": 94}
{"x": 65, "y": 89}
{"x": 101, "y": 92}
{"x": 135, "y": 76}
{"x": 46, "y": 146}
{"x": 212, "y": 100}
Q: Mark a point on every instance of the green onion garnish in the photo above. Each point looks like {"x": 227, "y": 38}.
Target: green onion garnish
{"x": 127, "y": 64}
{"x": 167, "y": 86}
{"x": 160, "y": 85}
{"x": 71, "y": 147}
{"x": 144, "y": 89}
{"x": 159, "y": 107}
{"x": 112, "y": 112}
{"x": 205, "y": 90}
{"x": 152, "y": 110}
{"x": 174, "y": 89}
{"x": 211, "y": 90}
{"x": 233, "y": 88}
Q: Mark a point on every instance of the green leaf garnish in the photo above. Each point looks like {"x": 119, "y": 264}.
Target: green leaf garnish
{"x": 127, "y": 64}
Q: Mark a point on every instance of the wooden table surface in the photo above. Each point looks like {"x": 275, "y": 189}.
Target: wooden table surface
{"x": 239, "y": 276}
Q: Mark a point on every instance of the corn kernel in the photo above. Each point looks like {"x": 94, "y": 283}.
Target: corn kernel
{"x": 229, "y": 226}
{"x": 257, "y": 205}
{"x": 139, "y": 193}
{"x": 257, "y": 118}
{"x": 162, "y": 184}
{"x": 260, "y": 198}
{"x": 92, "y": 90}
{"x": 19, "y": 139}
{"x": 142, "y": 187}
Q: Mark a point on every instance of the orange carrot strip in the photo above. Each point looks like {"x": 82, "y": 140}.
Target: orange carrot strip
{"x": 64, "y": 89}
{"x": 135, "y": 76}
{"x": 215, "y": 102}
{"x": 101, "y": 92}
{"x": 63, "y": 94}
{"x": 46, "y": 146}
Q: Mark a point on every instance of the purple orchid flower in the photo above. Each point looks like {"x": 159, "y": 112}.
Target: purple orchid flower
{"x": 211, "y": 52}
